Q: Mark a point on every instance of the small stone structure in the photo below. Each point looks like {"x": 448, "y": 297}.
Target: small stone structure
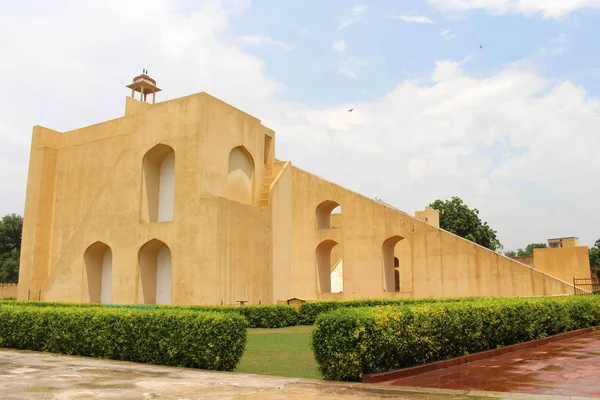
{"x": 8, "y": 290}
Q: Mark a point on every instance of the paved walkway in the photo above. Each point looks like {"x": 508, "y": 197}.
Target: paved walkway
{"x": 567, "y": 367}
{"x": 32, "y": 375}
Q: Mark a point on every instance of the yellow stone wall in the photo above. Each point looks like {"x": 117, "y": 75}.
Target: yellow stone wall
{"x": 429, "y": 215}
{"x": 249, "y": 234}
{"x": 525, "y": 260}
{"x": 433, "y": 263}
{"x": 564, "y": 263}
{"x": 86, "y": 186}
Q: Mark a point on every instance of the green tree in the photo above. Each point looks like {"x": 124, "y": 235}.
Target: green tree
{"x": 529, "y": 249}
{"x": 11, "y": 227}
{"x": 595, "y": 257}
{"x": 528, "y": 252}
{"x": 458, "y": 218}
{"x": 510, "y": 253}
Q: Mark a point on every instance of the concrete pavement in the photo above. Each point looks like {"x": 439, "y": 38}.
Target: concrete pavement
{"x": 32, "y": 375}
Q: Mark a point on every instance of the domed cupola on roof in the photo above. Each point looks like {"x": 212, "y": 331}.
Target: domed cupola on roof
{"x": 144, "y": 85}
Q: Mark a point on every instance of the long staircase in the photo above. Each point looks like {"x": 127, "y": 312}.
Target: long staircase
{"x": 270, "y": 176}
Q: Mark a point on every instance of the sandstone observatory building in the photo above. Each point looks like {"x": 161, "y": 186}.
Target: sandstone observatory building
{"x": 183, "y": 202}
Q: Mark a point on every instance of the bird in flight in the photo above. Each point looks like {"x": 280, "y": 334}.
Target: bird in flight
{"x": 350, "y": 110}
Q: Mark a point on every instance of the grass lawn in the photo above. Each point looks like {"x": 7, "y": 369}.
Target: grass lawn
{"x": 280, "y": 352}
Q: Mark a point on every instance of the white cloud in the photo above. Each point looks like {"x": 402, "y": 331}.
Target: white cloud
{"x": 517, "y": 145}
{"x": 556, "y": 46}
{"x": 555, "y": 9}
{"x": 339, "y": 46}
{"x": 419, "y": 19}
{"x": 352, "y": 16}
{"x": 350, "y": 67}
{"x": 446, "y": 34}
{"x": 503, "y": 143}
{"x": 261, "y": 40}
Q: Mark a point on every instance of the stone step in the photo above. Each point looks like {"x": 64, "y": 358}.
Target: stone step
{"x": 268, "y": 180}
{"x": 263, "y": 202}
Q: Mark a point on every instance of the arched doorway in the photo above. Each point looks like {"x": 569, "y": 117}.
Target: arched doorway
{"x": 158, "y": 199}
{"x": 155, "y": 273}
{"x": 240, "y": 178}
{"x": 391, "y": 264}
{"x": 330, "y": 272}
{"x": 328, "y": 215}
{"x": 98, "y": 271}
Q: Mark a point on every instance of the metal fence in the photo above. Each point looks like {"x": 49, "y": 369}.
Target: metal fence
{"x": 586, "y": 285}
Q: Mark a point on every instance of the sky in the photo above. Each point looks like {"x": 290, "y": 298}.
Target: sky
{"x": 494, "y": 101}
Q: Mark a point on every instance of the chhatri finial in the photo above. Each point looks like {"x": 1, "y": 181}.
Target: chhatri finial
{"x": 144, "y": 85}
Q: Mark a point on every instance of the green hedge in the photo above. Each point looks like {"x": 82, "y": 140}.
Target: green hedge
{"x": 311, "y": 310}
{"x": 348, "y": 343}
{"x": 204, "y": 340}
{"x": 46, "y": 304}
{"x": 263, "y": 316}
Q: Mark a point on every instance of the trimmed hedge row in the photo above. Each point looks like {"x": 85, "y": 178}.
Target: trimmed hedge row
{"x": 206, "y": 340}
{"x": 46, "y": 304}
{"x": 348, "y": 343}
{"x": 263, "y": 316}
{"x": 311, "y": 310}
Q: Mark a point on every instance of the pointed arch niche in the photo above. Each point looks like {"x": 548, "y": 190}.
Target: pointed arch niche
{"x": 330, "y": 267}
{"x": 240, "y": 178}
{"x": 328, "y": 215}
{"x": 158, "y": 184}
{"x": 397, "y": 272}
{"x": 155, "y": 273}
{"x": 98, "y": 272}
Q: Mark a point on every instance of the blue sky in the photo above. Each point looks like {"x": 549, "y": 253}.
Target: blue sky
{"x": 393, "y": 50}
{"x": 513, "y": 129}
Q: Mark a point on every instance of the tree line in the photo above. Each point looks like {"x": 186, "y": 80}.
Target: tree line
{"x": 11, "y": 227}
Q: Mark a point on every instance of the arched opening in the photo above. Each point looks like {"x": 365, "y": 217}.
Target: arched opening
{"x": 98, "y": 271}
{"x": 330, "y": 268}
{"x": 396, "y": 274}
{"x": 268, "y": 150}
{"x": 391, "y": 264}
{"x": 240, "y": 178}
{"x": 328, "y": 215}
{"x": 155, "y": 273}
{"x": 158, "y": 193}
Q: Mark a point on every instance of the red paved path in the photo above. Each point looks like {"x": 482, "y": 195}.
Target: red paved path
{"x": 569, "y": 367}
